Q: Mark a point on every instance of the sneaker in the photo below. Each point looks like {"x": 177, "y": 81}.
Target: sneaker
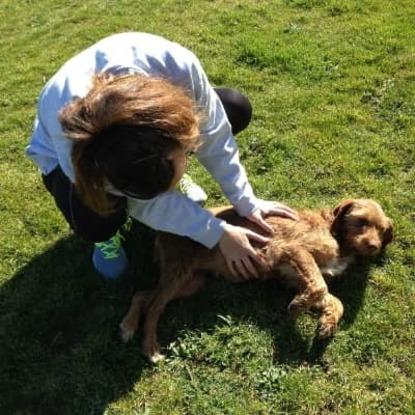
{"x": 192, "y": 190}
{"x": 109, "y": 257}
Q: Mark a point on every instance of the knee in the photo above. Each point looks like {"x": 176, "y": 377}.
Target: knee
{"x": 237, "y": 106}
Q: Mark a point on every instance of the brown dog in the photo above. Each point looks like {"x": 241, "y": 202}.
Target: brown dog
{"x": 304, "y": 253}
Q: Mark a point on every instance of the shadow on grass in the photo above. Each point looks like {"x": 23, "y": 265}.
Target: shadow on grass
{"x": 265, "y": 304}
{"x": 59, "y": 345}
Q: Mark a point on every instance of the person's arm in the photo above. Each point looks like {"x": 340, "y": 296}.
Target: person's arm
{"x": 219, "y": 153}
{"x": 220, "y": 156}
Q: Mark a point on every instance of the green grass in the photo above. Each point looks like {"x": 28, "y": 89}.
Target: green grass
{"x": 332, "y": 85}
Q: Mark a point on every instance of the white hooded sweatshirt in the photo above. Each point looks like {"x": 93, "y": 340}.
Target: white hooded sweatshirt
{"x": 149, "y": 55}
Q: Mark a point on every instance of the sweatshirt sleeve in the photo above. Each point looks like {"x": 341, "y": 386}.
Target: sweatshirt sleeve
{"x": 175, "y": 213}
{"x": 219, "y": 153}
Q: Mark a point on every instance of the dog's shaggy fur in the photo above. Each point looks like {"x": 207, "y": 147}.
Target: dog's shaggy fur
{"x": 304, "y": 254}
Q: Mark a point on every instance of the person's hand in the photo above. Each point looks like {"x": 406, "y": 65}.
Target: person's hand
{"x": 238, "y": 252}
{"x": 266, "y": 208}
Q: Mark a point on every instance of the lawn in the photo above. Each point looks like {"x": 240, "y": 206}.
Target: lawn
{"x": 332, "y": 84}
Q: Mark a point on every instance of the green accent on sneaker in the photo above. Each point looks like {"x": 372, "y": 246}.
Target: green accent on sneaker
{"x": 111, "y": 248}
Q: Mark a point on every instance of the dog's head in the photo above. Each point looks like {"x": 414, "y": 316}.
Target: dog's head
{"x": 361, "y": 227}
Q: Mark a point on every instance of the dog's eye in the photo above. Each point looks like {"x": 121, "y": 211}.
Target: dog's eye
{"x": 361, "y": 223}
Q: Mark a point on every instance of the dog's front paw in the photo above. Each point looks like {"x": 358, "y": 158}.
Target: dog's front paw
{"x": 126, "y": 331}
{"x": 331, "y": 314}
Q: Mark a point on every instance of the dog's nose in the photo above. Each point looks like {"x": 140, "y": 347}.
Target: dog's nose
{"x": 372, "y": 247}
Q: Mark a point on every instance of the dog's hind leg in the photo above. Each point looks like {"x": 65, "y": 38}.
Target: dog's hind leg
{"x": 171, "y": 286}
{"x": 129, "y": 323}
{"x": 331, "y": 309}
{"x": 192, "y": 286}
{"x": 310, "y": 281}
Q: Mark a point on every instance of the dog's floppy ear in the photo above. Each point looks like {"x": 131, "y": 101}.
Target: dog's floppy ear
{"x": 339, "y": 212}
{"x": 388, "y": 235}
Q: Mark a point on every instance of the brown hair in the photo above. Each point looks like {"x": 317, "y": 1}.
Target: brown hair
{"x": 124, "y": 129}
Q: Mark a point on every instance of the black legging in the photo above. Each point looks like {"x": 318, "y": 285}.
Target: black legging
{"x": 95, "y": 228}
{"x": 237, "y": 107}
